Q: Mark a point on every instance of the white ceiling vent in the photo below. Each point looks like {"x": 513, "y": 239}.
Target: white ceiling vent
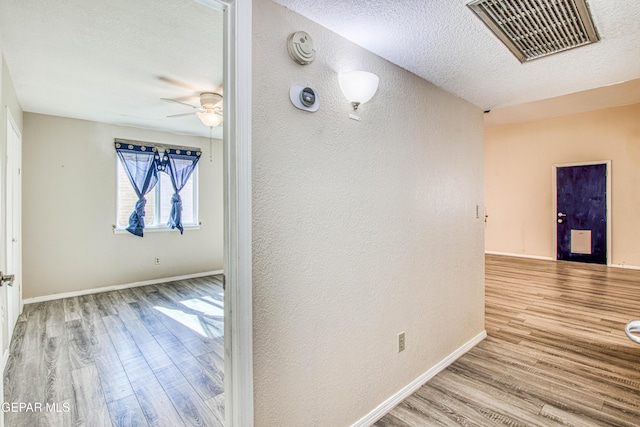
{"x": 532, "y": 29}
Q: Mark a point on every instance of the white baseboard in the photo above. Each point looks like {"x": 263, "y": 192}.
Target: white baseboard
{"x": 546, "y": 258}
{"x": 627, "y": 266}
{"x": 410, "y": 388}
{"x": 118, "y": 287}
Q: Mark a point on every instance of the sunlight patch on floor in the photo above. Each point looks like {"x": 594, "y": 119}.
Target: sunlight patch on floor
{"x": 191, "y": 321}
{"x": 204, "y": 307}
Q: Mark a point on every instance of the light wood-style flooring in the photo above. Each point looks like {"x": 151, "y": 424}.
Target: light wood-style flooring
{"x": 556, "y": 353}
{"x": 147, "y": 356}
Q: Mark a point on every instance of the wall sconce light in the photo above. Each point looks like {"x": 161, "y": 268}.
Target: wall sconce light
{"x": 358, "y": 86}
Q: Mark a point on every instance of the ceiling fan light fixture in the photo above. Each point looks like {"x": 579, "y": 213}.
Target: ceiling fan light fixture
{"x": 210, "y": 118}
{"x": 209, "y": 112}
{"x": 210, "y": 99}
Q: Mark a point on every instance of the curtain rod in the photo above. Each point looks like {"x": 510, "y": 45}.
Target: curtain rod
{"x": 156, "y": 144}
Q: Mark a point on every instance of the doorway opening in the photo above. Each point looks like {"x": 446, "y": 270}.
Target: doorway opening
{"x": 236, "y": 193}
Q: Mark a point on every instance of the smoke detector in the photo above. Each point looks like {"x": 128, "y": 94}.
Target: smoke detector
{"x": 301, "y": 48}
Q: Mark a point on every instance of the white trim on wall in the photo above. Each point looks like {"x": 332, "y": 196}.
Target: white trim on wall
{"x": 554, "y": 202}
{"x": 627, "y": 266}
{"x": 238, "y": 308}
{"x": 414, "y": 385}
{"x": 118, "y": 287}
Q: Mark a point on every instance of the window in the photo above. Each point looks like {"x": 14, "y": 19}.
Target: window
{"x": 158, "y": 204}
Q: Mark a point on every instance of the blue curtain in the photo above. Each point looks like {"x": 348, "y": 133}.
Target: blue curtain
{"x": 180, "y": 166}
{"x": 140, "y": 163}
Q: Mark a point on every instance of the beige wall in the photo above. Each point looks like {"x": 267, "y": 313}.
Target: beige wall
{"x": 69, "y": 206}
{"x": 518, "y": 178}
{"x": 361, "y": 230}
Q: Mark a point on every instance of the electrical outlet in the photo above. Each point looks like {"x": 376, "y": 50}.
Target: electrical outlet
{"x": 401, "y": 342}
{"x": 157, "y": 261}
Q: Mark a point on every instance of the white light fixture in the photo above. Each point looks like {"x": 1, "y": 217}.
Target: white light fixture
{"x": 358, "y": 86}
{"x": 210, "y": 117}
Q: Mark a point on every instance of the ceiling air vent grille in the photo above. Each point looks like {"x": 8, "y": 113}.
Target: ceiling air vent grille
{"x": 532, "y": 29}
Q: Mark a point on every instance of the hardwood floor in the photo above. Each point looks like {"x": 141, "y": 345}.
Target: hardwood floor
{"x": 556, "y": 353}
{"x": 148, "y": 356}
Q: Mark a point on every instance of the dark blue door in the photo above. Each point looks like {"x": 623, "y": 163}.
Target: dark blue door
{"x": 582, "y": 213}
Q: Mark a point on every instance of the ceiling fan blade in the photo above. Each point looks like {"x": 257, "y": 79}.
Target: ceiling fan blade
{"x": 179, "y": 102}
{"x": 183, "y": 114}
{"x": 194, "y": 97}
{"x": 176, "y": 82}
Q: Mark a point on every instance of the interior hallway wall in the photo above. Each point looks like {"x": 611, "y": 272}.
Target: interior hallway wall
{"x": 519, "y": 182}
{"x": 361, "y": 229}
{"x": 69, "y": 207}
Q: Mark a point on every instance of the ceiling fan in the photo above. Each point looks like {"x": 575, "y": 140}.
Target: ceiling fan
{"x": 209, "y": 112}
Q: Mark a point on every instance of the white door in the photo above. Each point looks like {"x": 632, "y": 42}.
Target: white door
{"x": 14, "y": 225}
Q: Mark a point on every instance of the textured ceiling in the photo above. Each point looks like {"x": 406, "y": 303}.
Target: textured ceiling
{"x": 112, "y": 61}
{"x": 443, "y": 42}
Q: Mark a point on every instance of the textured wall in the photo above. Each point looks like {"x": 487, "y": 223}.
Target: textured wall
{"x": 361, "y": 230}
{"x": 69, "y": 197}
{"x": 518, "y": 165}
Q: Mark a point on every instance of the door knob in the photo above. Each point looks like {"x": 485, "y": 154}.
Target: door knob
{"x": 6, "y": 279}
{"x": 560, "y": 214}
{"x": 560, "y": 221}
